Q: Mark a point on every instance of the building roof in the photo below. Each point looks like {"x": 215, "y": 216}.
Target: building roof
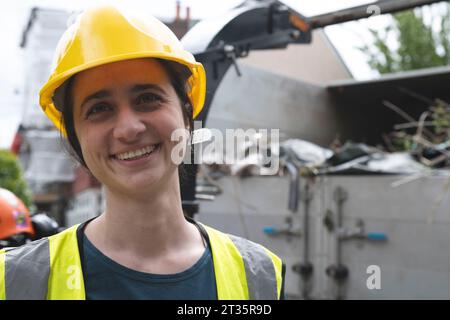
{"x": 363, "y": 105}
{"x": 178, "y": 25}
{"x": 430, "y": 82}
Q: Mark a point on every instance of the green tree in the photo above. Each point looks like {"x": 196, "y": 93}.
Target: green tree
{"x": 418, "y": 45}
{"x": 11, "y": 177}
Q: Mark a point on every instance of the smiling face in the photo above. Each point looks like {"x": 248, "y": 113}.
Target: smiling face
{"x": 124, "y": 114}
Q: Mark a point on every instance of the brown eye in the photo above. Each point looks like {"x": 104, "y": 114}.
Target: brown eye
{"x": 97, "y": 109}
{"x": 148, "y": 98}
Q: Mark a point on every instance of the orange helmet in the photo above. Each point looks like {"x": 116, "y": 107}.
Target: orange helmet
{"x": 14, "y": 216}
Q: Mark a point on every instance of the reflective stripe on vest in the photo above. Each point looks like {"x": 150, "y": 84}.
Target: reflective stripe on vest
{"x": 259, "y": 270}
{"x": 51, "y": 269}
{"x": 26, "y": 271}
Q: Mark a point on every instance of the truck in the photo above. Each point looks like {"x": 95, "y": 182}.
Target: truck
{"x": 343, "y": 234}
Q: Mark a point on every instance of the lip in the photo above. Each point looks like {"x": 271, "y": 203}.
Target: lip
{"x": 134, "y": 148}
{"x": 141, "y": 160}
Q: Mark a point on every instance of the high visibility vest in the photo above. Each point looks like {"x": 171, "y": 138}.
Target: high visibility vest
{"x": 50, "y": 268}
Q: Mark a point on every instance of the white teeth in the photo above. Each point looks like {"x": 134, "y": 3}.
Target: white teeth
{"x": 135, "y": 153}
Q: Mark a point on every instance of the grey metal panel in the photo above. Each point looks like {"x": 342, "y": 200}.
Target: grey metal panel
{"x": 414, "y": 261}
{"x": 425, "y": 199}
{"x": 228, "y": 201}
{"x": 411, "y": 245}
{"x": 415, "y": 258}
{"x": 399, "y": 283}
{"x": 241, "y": 195}
{"x": 261, "y": 99}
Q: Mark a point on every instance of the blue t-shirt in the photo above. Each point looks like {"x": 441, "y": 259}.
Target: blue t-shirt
{"x": 106, "y": 279}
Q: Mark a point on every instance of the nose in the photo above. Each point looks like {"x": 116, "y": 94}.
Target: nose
{"x": 128, "y": 125}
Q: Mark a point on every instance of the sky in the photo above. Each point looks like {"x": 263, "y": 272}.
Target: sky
{"x": 14, "y": 16}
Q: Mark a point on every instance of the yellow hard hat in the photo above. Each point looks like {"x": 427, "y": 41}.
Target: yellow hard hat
{"x": 106, "y": 34}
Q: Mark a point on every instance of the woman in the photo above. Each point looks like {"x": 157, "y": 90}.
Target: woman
{"x": 119, "y": 88}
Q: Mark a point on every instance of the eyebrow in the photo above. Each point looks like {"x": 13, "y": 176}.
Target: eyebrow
{"x": 97, "y": 95}
{"x": 142, "y": 87}
{"x": 107, "y": 93}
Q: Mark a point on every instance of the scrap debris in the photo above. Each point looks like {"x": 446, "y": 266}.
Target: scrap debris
{"x": 416, "y": 146}
{"x": 427, "y": 139}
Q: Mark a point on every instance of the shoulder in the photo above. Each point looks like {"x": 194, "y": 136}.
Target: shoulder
{"x": 38, "y": 249}
{"x": 24, "y": 265}
{"x": 30, "y": 250}
{"x": 247, "y": 248}
{"x": 263, "y": 269}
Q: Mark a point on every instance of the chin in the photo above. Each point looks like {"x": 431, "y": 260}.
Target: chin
{"x": 155, "y": 180}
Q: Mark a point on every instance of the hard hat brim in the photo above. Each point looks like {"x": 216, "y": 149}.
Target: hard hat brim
{"x": 198, "y": 77}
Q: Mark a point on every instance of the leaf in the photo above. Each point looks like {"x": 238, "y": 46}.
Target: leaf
{"x": 11, "y": 177}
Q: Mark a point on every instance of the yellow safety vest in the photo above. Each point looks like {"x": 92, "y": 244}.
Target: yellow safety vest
{"x": 50, "y": 268}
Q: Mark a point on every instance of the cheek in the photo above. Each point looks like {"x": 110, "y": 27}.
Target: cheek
{"x": 85, "y": 150}
{"x": 168, "y": 122}
{"x": 91, "y": 141}
{"x": 173, "y": 134}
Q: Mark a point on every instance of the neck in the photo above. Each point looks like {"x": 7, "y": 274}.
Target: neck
{"x": 147, "y": 225}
